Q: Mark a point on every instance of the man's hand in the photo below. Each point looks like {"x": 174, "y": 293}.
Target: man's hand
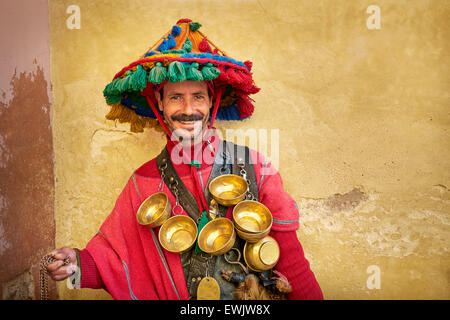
{"x": 56, "y": 270}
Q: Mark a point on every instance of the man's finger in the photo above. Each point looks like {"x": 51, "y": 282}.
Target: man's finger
{"x": 60, "y": 255}
{"x": 54, "y": 265}
{"x": 66, "y": 270}
{"x": 59, "y": 277}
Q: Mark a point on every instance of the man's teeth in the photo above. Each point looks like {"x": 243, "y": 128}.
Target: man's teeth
{"x": 187, "y": 122}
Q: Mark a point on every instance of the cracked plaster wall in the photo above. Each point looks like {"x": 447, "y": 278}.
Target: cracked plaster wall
{"x": 363, "y": 119}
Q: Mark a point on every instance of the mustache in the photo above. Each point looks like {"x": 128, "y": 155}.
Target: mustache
{"x": 186, "y": 117}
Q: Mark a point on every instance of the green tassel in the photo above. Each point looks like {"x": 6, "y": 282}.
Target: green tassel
{"x": 174, "y": 51}
{"x": 124, "y": 83}
{"x": 111, "y": 93}
{"x": 192, "y": 72}
{"x": 139, "y": 79}
{"x": 109, "y": 89}
{"x": 115, "y": 86}
{"x": 158, "y": 74}
{"x": 176, "y": 72}
{"x": 187, "y": 46}
{"x": 111, "y": 99}
{"x": 203, "y": 221}
{"x": 210, "y": 72}
{"x": 194, "y": 26}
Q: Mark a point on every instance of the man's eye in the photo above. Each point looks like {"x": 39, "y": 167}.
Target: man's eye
{"x": 175, "y": 98}
{"x": 199, "y": 97}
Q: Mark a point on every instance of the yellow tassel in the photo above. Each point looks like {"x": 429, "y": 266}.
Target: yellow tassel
{"x": 137, "y": 123}
{"x": 114, "y": 113}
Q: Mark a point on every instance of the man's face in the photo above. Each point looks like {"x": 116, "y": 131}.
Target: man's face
{"x": 185, "y": 106}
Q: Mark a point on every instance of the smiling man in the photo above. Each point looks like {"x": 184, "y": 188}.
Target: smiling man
{"x": 185, "y": 82}
{"x": 185, "y": 106}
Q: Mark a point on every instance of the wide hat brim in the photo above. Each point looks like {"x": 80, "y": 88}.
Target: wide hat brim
{"x": 183, "y": 53}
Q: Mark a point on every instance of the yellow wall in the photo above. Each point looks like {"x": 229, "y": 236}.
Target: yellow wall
{"x": 363, "y": 119}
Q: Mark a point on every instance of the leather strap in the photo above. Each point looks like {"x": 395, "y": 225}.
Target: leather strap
{"x": 176, "y": 185}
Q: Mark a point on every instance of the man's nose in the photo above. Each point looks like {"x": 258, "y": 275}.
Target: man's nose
{"x": 188, "y": 106}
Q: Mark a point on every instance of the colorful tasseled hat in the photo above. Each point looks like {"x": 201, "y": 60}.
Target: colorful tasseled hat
{"x": 184, "y": 53}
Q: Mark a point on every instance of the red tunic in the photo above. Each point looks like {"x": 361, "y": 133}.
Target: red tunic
{"x": 127, "y": 260}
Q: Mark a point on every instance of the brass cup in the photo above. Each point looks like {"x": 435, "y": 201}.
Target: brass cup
{"x": 252, "y": 217}
{"x": 262, "y": 255}
{"x": 178, "y": 234}
{"x": 155, "y": 210}
{"x": 217, "y": 236}
{"x": 251, "y": 237}
{"x": 228, "y": 189}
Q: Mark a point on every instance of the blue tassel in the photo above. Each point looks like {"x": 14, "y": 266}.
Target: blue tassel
{"x": 171, "y": 43}
{"x": 176, "y": 30}
{"x": 163, "y": 46}
{"x": 150, "y": 53}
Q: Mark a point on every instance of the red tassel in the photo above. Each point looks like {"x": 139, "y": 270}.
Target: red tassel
{"x": 252, "y": 89}
{"x": 184, "y": 20}
{"x": 204, "y": 46}
{"x": 245, "y": 106}
{"x": 234, "y": 77}
{"x": 249, "y": 65}
{"x": 242, "y": 81}
{"x": 149, "y": 92}
{"x": 247, "y": 84}
{"x": 223, "y": 74}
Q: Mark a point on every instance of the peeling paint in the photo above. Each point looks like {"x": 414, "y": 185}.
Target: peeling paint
{"x": 103, "y": 138}
{"x": 4, "y": 243}
{"x": 26, "y": 173}
{"x": 4, "y": 153}
{"x": 364, "y": 220}
{"x": 19, "y": 288}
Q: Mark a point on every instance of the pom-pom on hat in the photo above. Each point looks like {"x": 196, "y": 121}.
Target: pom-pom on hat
{"x": 183, "y": 53}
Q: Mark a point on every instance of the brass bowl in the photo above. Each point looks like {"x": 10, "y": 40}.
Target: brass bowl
{"x": 228, "y": 189}
{"x": 262, "y": 255}
{"x": 252, "y": 217}
{"x": 251, "y": 237}
{"x": 217, "y": 236}
{"x": 178, "y": 234}
{"x": 155, "y": 210}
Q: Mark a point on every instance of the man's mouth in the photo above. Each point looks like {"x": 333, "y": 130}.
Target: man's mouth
{"x": 188, "y": 121}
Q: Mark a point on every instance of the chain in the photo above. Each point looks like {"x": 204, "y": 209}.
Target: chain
{"x": 43, "y": 277}
{"x": 173, "y": 185}
{"x": 249, "y": 195}
{"x": 163, "y": 175}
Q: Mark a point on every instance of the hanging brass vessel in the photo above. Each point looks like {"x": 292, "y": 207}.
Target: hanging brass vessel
{"x": 262, "y": 255}
{"x": 178, "y": 234}
{"x": 217, "y": 236}
{"x": 251, "y": 237}
{"x": 252, "y": 217}
{"x": 228, "y": 189}
{"x": 155, "y": 210}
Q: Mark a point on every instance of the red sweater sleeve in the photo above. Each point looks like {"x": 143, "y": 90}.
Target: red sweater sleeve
{"x": 295, "y": 267}
{"x": 90, "y": 277}
{"x": 292, "y": 262}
